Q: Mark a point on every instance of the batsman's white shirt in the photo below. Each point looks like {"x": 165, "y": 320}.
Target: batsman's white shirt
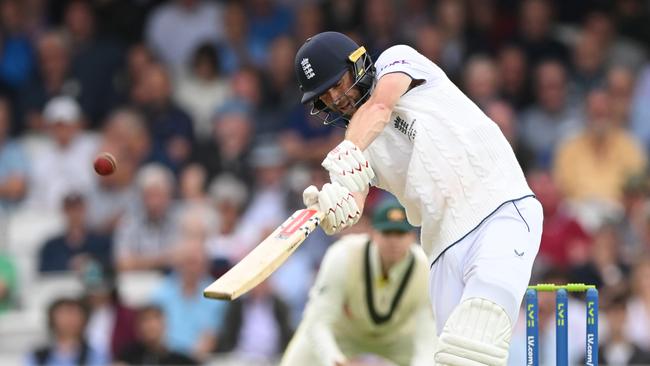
{"x": 441, "y": 156}
{"x": 338, "y": 322}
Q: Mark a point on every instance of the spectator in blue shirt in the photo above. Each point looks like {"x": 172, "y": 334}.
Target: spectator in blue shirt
{"x": 192, "y": 320}
{"x": 17, "y": 58}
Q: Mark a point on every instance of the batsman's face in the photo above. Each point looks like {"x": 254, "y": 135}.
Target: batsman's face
{"x": 342, "y": 97}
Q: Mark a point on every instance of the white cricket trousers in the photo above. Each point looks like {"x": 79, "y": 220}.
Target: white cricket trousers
{"x": 494, "y": 261}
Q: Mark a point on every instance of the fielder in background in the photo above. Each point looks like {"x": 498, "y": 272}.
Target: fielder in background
{"x": 412, "y": 132}
{"x": 368, "y": 299}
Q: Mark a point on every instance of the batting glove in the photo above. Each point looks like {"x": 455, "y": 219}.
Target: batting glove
{"x": 338, "y": 204}
{"x": 349, "y": 167}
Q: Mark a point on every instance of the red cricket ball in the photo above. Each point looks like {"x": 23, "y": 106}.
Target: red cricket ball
{"x": 105, "y": 164}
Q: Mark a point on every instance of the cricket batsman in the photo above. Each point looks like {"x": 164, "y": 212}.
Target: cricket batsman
{"x": 367, "y": 298}
{"x": 411, "y": 131}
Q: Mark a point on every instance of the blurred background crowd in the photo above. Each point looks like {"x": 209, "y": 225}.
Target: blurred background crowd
{"x": 198, "y": 102}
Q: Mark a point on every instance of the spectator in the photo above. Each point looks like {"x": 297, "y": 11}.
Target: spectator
{"x": 280, "y": 94}
{"x": 124, "y": 136}
{"x": 620, "y": 85}
{"x": 267, "y": 19}
{"x": 428, "y": 41}
{"x": 123, "y": 20}
{"x": 170, "y": 128}
{"x": 257, "y": 326}
{"x": 197, "y": 222}
{"x": 553, "y": 117}
{"x": 192, "y": 183}
{"x": 229, "y": 148}
{"x": 53, "y": 78}
{"x": 202, "y": 89}
{"x": 145, "y": 236}
{"x": 13, "y": 162}
{"x": 381, "y": 26}
{"x": 504, "y": 116}
{"x": 450, "y": 17}
{"x": 150, "y": 348}
{"x": 645, "y": 242}
{"x": 640, "y": 109}
{"x": 8, "y": 283}
{"x": 230, "y": 243}
{"x": 589, "y": 66}
{"x": 238, "y": 48}
{"x": 67, "y": 320}
{"x": 488, "y": 28}
{"x": 513, "y": 69}
{"x": 310, "y": 20}
{"x": 111, "y": 327}
{"x": 18, "y": 59}
{"x": 193, "y": 321}
{"x": 619, "y": 51}
{"x": 307, "y": 139}
{"x": 125, "y": 129}
{"x": 535, "y": 34}
{"x": 176, "y": 28}
{"x": 246, "y": 85}
{"x": 617, "y": 349}
{"x": 77, "y": 245}
{"x": 637, "y": 325}
{"x": 69, "y": 153}
{"x": 94, "y": 61}
{"x": 595, "y": 164}
{"x": 342, "y": 15}
{"x": 634, "y": 226}
{"x": 605, "y": 267}
{"x": 138, "y": 59}
{"x": 632, "y": 20}
{"x": 267, "y": 208}
{"x": 564, "y": 242}
{"x": 481, "y": 80}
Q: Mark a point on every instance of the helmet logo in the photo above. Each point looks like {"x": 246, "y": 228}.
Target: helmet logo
{"x": 307, "y": 69}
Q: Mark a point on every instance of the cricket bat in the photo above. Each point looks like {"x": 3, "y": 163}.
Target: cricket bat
{"x": 266, "y": 257}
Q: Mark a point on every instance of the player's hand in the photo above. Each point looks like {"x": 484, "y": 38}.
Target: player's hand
{"x": 338, "y": 204}
{"x": 348, "y": 167}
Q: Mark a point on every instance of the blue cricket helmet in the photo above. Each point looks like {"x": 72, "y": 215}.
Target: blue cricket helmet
{"x": 321, "y": 62}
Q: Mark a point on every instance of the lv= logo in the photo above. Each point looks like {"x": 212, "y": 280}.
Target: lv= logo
{"x": 561, "y": 310}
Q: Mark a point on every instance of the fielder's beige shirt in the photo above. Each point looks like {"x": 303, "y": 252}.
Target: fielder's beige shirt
{"x": 339, "y": 322}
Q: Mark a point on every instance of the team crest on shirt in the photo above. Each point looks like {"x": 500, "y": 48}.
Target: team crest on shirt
{"x": 406, "y": 128}
{"x": 396, "y": 214}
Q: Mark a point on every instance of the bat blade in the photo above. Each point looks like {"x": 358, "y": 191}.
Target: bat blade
{"x": 266, "y": 257}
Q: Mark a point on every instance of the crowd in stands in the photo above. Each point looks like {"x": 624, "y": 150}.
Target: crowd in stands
{"x": 198, "y": 102}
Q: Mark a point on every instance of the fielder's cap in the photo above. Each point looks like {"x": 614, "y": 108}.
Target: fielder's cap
{"x": 390, "y": 216}
{"x": 62, "y": 109}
